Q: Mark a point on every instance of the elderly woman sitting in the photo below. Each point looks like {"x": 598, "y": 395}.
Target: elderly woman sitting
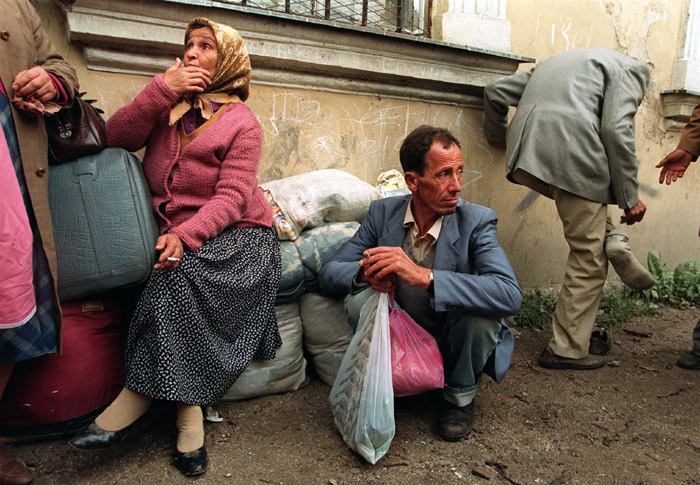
{"x": 208, "y": 307}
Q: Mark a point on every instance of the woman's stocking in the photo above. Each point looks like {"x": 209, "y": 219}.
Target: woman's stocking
{"x": 126, "y": 408}
{"x": 190, "y": 427}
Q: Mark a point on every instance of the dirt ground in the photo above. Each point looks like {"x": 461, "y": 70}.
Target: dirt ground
{"x": 634, "y": 421}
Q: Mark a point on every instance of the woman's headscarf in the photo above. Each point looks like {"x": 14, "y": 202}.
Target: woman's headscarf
{"x": 231, "y": 80}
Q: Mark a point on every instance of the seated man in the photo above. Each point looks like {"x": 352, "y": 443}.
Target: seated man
{"x": 440, "y": 255}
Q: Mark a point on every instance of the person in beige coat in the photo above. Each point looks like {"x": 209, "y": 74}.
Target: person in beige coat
{"x": 673, "y": 167}
{"x": 33, "y": 75}
{"x": 572, "y": 140}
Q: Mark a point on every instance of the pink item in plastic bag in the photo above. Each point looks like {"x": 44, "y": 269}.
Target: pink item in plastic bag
{"x": 416, "y": 362}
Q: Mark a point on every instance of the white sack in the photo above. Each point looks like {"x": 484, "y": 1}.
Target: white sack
{"x": 287, "y": 372}
{"x": 327, "y": 333}
{"x": 314, "y": 198}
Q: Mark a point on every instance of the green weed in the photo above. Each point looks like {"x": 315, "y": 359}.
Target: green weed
{"x": 536, "y": 310}
{"x": 619, "y": 304}
{"x": 679, "y": 288}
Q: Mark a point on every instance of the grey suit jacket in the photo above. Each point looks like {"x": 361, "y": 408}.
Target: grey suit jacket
{"x": 574, "y": 123}
{"x": 471, "y": 270}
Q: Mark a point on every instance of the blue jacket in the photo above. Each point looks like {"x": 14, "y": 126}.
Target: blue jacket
{"x": 471, "y": 270}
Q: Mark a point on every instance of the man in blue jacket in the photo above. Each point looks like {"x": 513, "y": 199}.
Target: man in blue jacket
{"x": 440, "y": 256}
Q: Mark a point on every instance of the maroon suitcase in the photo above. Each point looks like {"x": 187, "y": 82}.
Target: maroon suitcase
{"x": 55, "y": 394}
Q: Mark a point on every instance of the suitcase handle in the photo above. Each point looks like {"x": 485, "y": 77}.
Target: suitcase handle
{"x": 86, "y": 172}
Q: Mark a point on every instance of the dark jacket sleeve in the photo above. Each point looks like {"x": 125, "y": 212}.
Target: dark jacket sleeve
{"x": 690, "y": 138}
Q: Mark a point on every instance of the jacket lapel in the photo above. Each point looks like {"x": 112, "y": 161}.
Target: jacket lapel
{"x": 446, "y": 254}
{"x": 394, "y": 232}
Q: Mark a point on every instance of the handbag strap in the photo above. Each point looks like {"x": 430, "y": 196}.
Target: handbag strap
{"x": 391, "y": 299}
{"x": 86, "y": 171}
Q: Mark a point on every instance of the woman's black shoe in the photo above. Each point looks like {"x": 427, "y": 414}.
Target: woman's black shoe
{"x": 191, "y": 463}
{"x": 93, "y": 437}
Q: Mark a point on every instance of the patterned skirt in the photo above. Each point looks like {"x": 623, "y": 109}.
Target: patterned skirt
{"x": 196, "y": 328}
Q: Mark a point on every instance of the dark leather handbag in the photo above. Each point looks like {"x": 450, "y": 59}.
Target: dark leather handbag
{"x": 76, "y": 131}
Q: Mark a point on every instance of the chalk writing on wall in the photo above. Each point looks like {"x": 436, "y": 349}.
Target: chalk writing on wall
{"x": 361, "y": 135}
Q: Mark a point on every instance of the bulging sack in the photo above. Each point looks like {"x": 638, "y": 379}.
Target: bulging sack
{"x": 362, "y": 399}
{"x": 416, "y": 362}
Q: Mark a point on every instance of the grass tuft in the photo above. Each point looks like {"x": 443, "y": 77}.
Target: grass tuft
{"x": 679, "y": 288}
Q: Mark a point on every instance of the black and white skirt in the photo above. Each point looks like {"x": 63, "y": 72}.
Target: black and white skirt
{"x": 196, "y": 328}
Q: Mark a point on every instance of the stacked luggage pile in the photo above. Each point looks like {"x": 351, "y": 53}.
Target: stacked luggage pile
{"x": 105, "y": 231}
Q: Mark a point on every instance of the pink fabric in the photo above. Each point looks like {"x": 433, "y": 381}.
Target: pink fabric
{"x": 215, "y": 184}
{"x": 2, "y": 90}
{"x": 17, "y": 303}
{"x": 61, "y": 96}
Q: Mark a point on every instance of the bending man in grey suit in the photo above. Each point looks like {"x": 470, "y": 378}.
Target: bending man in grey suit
{"x": 440, "y": 255}
{"x": 572, "y": 140}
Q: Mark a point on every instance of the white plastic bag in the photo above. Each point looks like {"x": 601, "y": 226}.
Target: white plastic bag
{"x": 362, "y": 397}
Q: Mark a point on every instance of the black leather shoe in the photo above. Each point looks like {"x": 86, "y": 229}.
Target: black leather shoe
{"x": 689, "y": 361}
{"x": 93, "y": 437}
{"x": 600, "y": 343}
{"x": 455, "y": 422}
{"x": 191, "y": 463}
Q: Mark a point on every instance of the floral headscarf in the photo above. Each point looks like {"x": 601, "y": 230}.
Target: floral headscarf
{"x": 231, "y": 81}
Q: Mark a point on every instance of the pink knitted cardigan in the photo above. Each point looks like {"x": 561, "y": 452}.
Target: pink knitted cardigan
{"x": 215, "y": 184}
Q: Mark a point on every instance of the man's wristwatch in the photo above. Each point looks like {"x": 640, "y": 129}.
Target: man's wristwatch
{"x": 431, "y": 285}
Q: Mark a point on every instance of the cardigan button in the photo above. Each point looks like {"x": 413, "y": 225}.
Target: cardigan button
{"x": 4, "y": 35}
{"x": 40, "y": 172}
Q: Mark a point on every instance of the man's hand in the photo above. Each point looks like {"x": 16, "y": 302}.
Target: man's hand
{"x": 634, "y": 214}
{"x": 190, "y": 79}
{"x": 384, "y": 263}
{"x": 33, "y": 89}
{"x": 170, "y": 246}
{"x": 34, "y": 84}
{"x": 674, "y": 165}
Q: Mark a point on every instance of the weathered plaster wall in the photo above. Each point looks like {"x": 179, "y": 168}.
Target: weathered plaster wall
{"x": 313, "y": 129}
{"x": 309, "y": 129}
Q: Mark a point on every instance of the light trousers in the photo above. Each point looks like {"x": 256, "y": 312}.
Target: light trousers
{"x": 584, "y": 223}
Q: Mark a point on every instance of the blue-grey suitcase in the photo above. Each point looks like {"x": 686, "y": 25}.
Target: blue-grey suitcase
{"x": 104, "y": 226}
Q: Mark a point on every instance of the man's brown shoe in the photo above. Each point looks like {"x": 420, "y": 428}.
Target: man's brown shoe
{"x": 455, "y": 422}
{"x": 13, "y": 471}
{"x": 550, "y": 360}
